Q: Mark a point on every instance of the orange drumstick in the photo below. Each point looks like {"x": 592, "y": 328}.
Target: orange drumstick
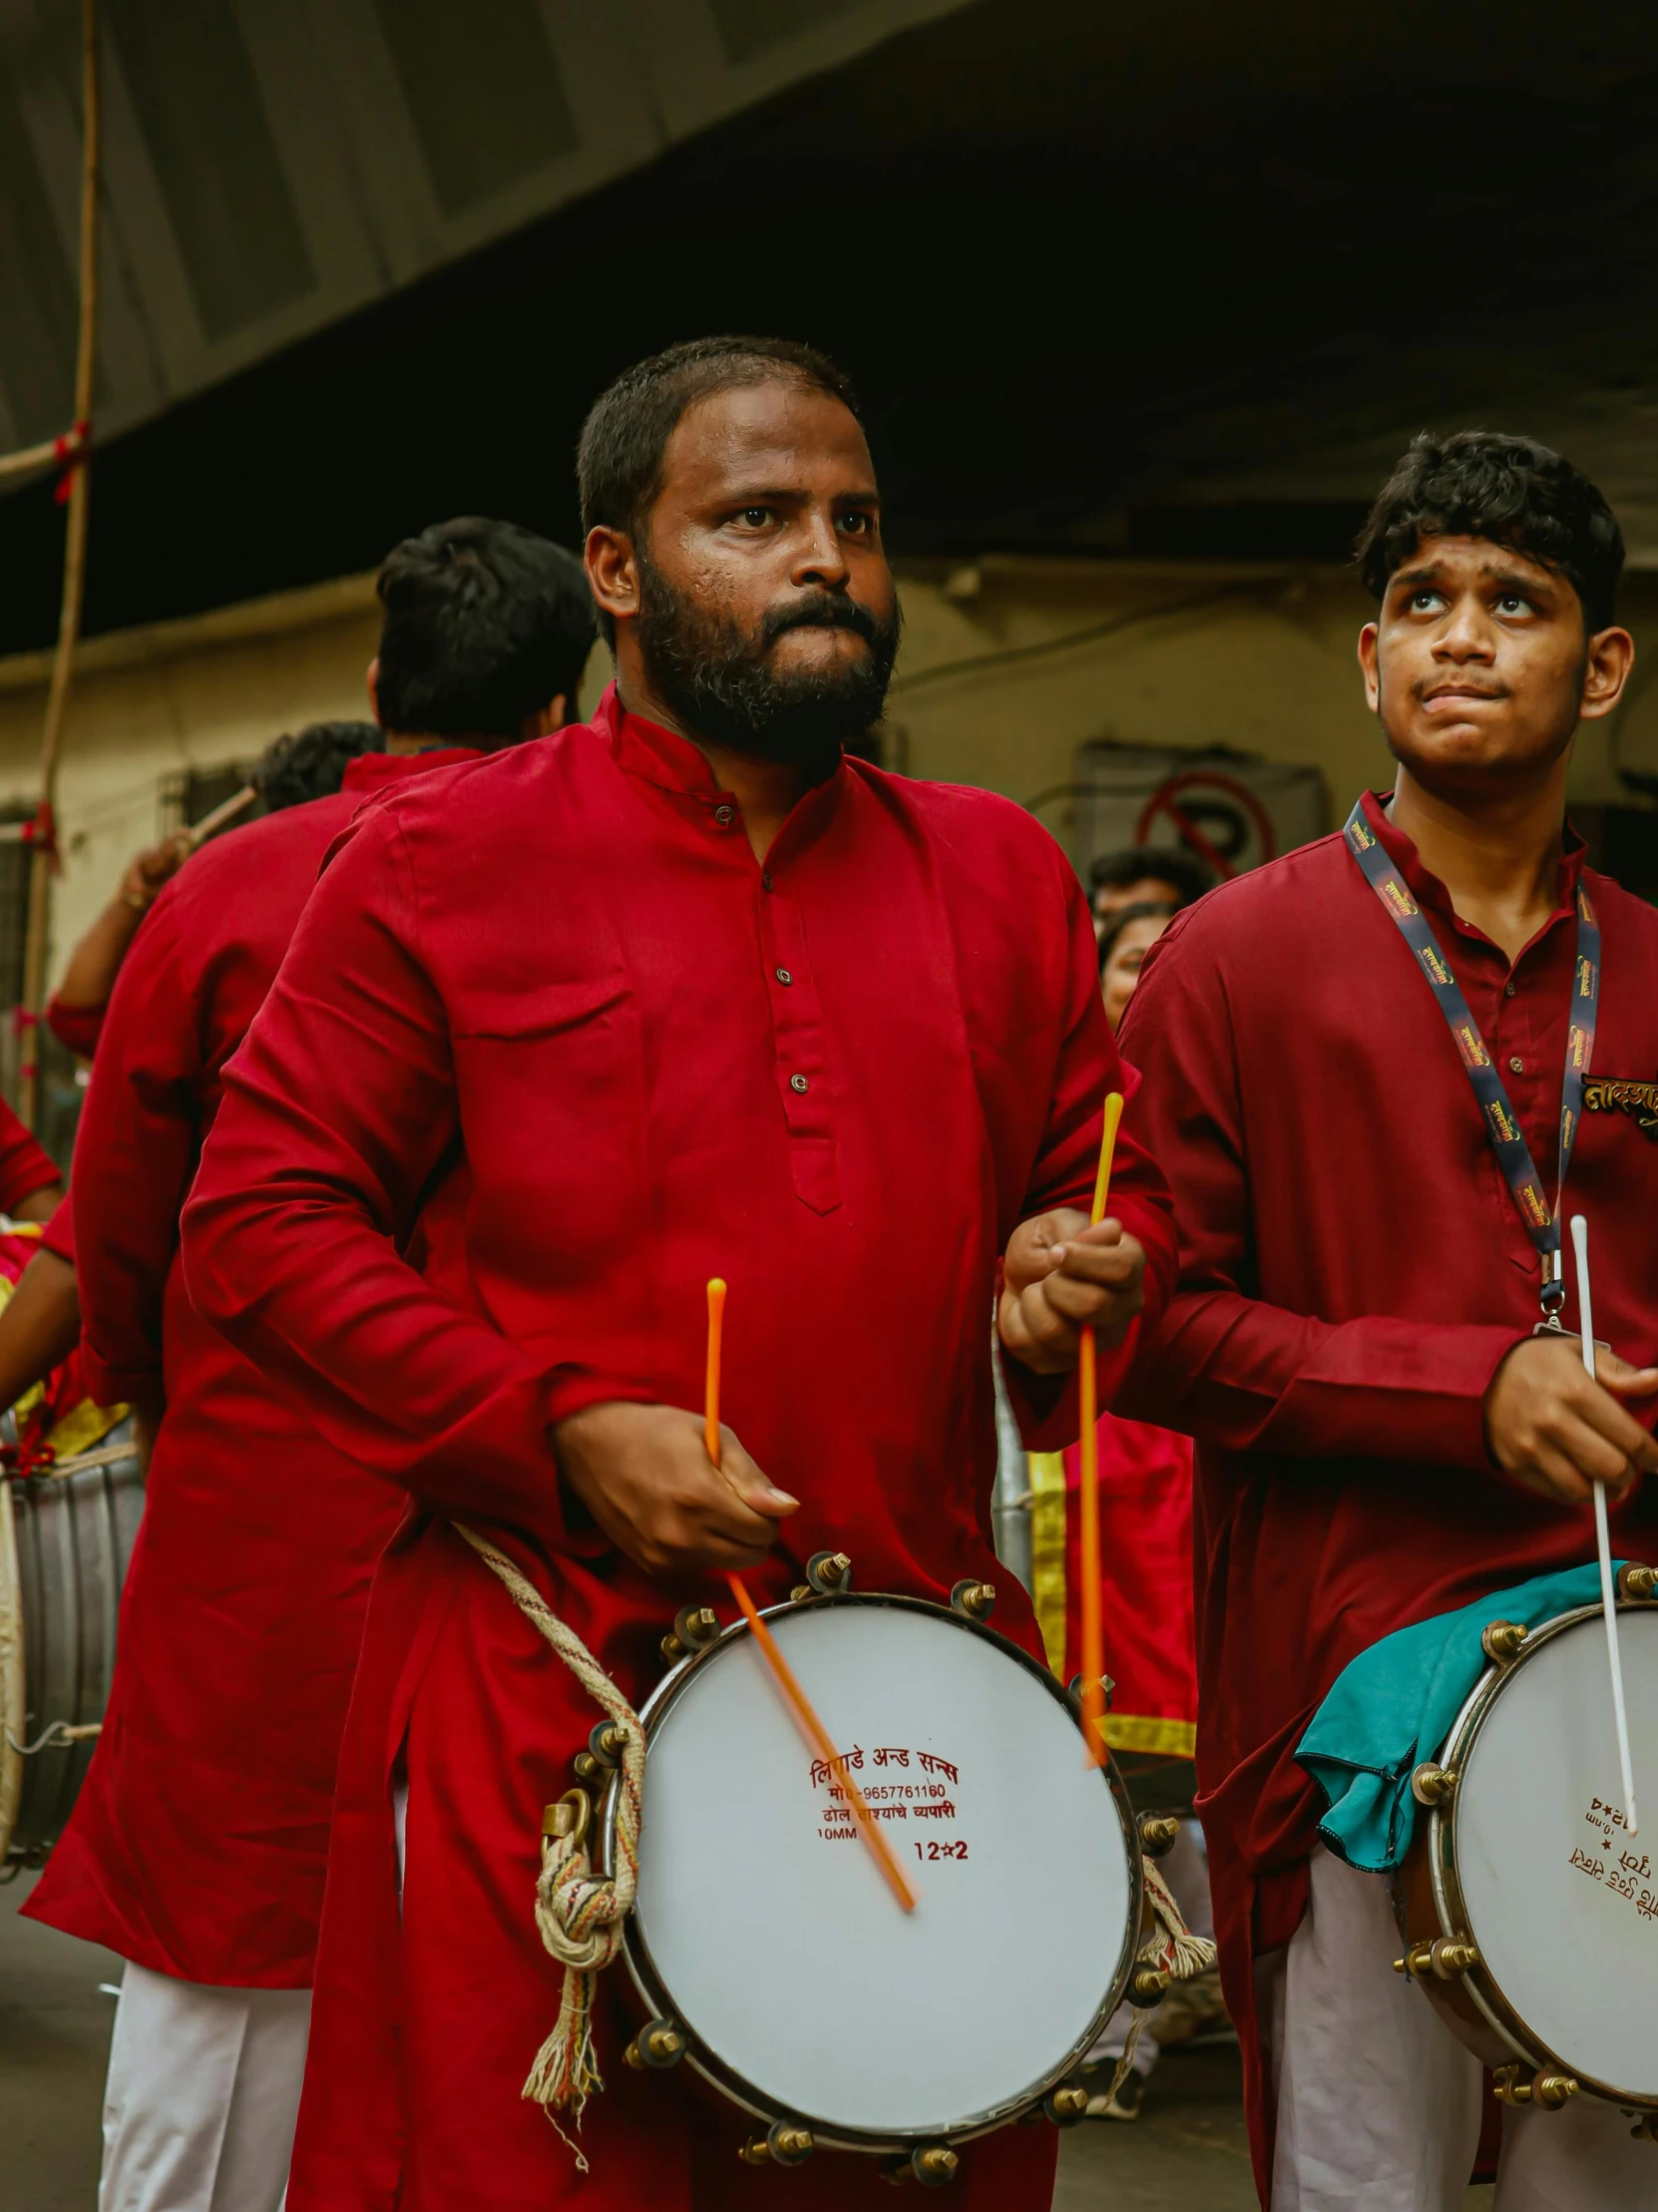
{"x": 794, "y": 1696}
{"x": 1094, "y": 1626}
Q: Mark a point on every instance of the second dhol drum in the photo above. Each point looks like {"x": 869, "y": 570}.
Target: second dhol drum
{"x": 1529, "y": 1910}
{"x": 767, "y": 1944}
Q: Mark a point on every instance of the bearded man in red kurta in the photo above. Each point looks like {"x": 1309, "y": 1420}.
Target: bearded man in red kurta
{"x": 198, "y": 1844}
{"x": 693, "y": 993}
{"x": 1381, "y": 1438}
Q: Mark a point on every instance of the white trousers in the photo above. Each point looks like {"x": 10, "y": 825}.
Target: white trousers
{"x": 1378, "y": 2104}
{"x": 202, "y": 2096}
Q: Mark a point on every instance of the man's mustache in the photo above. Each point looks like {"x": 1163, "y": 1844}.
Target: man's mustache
{"x": 821, "y": 612}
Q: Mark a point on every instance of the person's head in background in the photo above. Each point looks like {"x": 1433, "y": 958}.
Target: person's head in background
{"x": 1494, "y": 564}
{"x": 484, "y": 633}
{"x": 310, "y": 763}
{"x": 1154, "y": 875}
{"x": 1129, "y": 934}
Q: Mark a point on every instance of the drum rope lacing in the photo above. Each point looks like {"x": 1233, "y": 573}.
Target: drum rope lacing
{"x": 1172, "y": 1947}
{"x": 579, "y": 1913}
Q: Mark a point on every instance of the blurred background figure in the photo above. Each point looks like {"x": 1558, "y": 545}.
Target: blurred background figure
{"x": 1126, "y": 935}
{"x": 1146, "y": 876}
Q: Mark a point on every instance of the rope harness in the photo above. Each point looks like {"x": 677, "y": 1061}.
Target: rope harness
{"x": 578, "y": 1912}
{"x": 1172, "y": 1948}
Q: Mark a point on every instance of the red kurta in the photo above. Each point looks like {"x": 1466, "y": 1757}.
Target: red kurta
{"x": 1353, "y": 1271}
{"x": 199, "y": 1843}
{"x": 25, "y": 1166}
{"x": 1145, "y": 1523}
{"x": 548, "y": 1029}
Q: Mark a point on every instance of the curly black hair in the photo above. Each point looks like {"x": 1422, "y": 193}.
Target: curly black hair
{"x": 1510, "y": 490}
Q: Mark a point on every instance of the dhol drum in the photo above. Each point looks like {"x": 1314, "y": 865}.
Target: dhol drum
{"x": 65, "y": 1535}
{"x": 768, "y": 1952}
{"x": 1529, "y": 1913}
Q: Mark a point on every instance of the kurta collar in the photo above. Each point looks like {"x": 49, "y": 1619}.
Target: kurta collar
{"x": 372, "y": 771}
{"x": 646, "y": 749}
{"x": 1430, "y": 890}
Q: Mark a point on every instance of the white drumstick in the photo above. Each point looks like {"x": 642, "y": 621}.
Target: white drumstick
{"x": 1585, "y": 1317}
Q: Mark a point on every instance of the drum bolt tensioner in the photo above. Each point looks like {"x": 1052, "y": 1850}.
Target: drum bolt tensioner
{"x": 1446, "y": 1956}
{"x": 694, "y": 1626}
{"x": 829, "y": 1573}
{"x": 932, "y": 2166}
{"x": 1065, "y": 2107}
{"x": 1637, "y": 1583}
{"x": 659, "y": 2045}
{"x": 1148, "y": 1986}
{"x": 603, "y": 1753}
{"x": 783, "y": 2145}
{"x": 1504, "y": 1641}
{"x": 1433, "y": 1784}
{"x": 1159, "y": 1834}
{"x": 1645, "y": 2129}
{"x": 1548, "y": 2090}
{"x": 975, "y": 1599}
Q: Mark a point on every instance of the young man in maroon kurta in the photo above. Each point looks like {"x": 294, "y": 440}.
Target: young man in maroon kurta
{"x": 199, "y": 1845}
{"x": 1381, "y": 1438}
{"x": 693, "y": 995}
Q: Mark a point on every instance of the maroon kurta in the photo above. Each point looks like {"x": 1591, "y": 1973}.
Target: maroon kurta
{"x": 198, "y": 1844}
{"x": 550, "y": 1031}
{"x": 1353, "y": 1271}
{"x": 25, "y": 1165}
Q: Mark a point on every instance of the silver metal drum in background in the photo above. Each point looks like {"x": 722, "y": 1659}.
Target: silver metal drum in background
{"x": 65, "y": 1537}
{"x": 766, "y": 1946}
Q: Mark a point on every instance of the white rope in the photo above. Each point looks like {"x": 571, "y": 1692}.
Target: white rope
{"x": 55, "y": 1734}
{"x": 1173, "y": 1950}
{"x": 579, "y": 1913}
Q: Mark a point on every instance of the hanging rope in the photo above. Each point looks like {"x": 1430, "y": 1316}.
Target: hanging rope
{"x": 1173, "y": 1950}
{"x": 72, "y": 452}
{"x": 579, "y": 1913}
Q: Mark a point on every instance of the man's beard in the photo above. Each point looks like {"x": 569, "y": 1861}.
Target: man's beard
{"x": 719, "y": 683}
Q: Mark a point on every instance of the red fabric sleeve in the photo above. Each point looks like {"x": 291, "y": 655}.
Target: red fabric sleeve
{"x": 76, "y": 1027}
{"x": 59, "y": 1233}
{"x": 1088, "y": 1069}
{"x": 1230, "y": 1369}
{"x": 134, "y": 1157}
{"x": 337, "y": 1113}
{"x": 24, "y": 1167}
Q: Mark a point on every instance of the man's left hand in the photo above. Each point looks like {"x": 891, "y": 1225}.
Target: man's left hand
{"x": 1057, "y": 1277}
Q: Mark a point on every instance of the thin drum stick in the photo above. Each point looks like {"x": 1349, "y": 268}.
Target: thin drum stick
{"x": 793, "y": 1695}
{"x": 1093, "y": 1624}
{"x": 226, "y": 811}
{"x": 1603, "y": 1541}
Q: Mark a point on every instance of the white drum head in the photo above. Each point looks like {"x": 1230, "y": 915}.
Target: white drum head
{"x": 1561, "y": 1901}
{"x": 774, "y": 1939}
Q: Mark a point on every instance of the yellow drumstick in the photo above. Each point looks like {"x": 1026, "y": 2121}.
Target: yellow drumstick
{"x": 1094, "y": 1626}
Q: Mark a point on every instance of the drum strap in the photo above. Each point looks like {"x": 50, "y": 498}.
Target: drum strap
{"x": 1173, "y": 1948}
{"x": 579, "y": 1913}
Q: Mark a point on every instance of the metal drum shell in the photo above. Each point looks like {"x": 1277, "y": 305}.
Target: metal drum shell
{"x": 658, "y": 2002}
{"x": 65, "y": 1537}
{"x": 1428, "y": 1895}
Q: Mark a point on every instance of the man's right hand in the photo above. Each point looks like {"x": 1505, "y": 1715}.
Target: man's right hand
{"x": 644, "y": 1475}
{"x": 1556, "y": 1432}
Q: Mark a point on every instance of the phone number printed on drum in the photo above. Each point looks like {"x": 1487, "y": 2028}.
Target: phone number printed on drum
{"x": 926, "y": 1798}
{"x": 1628, "y": 1876}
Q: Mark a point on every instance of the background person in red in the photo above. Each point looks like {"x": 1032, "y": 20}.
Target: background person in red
{"x": 197, "y": 1848}
{"x": 695, "y": 994}
{"x": 1381, "y": 1436}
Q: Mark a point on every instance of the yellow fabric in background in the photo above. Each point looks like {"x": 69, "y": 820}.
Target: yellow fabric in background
{"x": 1048, "y": 1551}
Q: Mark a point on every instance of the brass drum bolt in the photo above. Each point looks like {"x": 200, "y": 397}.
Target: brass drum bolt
{"x": 1148, "y": 1986}
{"x": 1066, "y": 2105}
{"x": 1504, "y": 1641}
{"x": 1552, "y": 2089}
{"x": 658, "y": 2046}
{"x": 829, "y": 1573}
{"x": 935, "y": 2166}
{"x": 1433, "y": 1784}
{"x": 1159, "y": 1834}
{"x": 788, "y": 2143}
{"x": 975, "y": 1599}
{"x": 1639, "y": 1583}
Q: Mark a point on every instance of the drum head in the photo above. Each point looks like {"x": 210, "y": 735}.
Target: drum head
{"x": 767, "y": 1927}
{"x": 1560, "y": 1899}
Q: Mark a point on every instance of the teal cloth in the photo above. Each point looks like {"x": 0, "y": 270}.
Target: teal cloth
{"x": 1393, "y": 1706}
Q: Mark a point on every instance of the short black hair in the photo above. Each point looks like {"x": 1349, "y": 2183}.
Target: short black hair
{"x": 310, "y": 763}
{"x": 1115, "y": 871}
{"x": 1510, "y": 490}
{"x": 484, "y": 625}
{"x": 1143, "y": 910}
{"x": 620, "y": 458}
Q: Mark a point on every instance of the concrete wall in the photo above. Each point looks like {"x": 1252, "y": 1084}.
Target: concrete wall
{"x": 1183, "y": 655}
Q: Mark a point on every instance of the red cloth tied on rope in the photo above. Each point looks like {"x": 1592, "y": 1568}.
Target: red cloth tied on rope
{"x": 70, "y": 451}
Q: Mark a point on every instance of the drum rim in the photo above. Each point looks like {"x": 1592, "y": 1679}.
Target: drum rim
{"x": 741, "y": 2092}
{"x": 1481, "y": 1983}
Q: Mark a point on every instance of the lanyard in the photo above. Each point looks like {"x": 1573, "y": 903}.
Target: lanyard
{"x": 1502, "y": 1126}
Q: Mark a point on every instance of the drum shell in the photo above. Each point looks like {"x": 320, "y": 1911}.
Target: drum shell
{"x": 66, "y": 1537}
{"x": 1428, "y": 1897}
{"x": 656, "y": 2002}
